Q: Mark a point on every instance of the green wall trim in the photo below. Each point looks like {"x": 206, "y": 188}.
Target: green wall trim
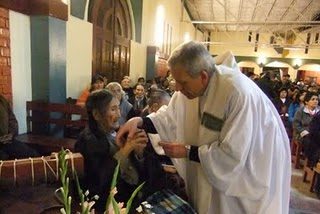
{"x": 137, "y": 14}
{"x": 39, "y": 57}
{"x": 78, "y": 8}
{"x": 151, "y": 62}
{"x": 57, "y": 63}
{"x": 48, "y": 59}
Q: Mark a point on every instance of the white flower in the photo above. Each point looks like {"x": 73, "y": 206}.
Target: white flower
{"x": 88, "y": 204}
{"x": 96, "y": 197}
{"x": 63, "y": 211}
{"x": 86, "y": 193}
{"x": 120, "y": 205}
{"x": 114, "y": 191}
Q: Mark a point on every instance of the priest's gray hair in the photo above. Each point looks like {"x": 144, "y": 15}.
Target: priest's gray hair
{"x": 192, "y": 56}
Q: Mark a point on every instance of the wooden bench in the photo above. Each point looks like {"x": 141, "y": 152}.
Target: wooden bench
{"x": 48, "y": 125}
{"x": 308, "y": 172}
{"x": 315, "y": 176}
{"x": 38, "y": 170}
{"x": 296, "y": 156}
{"x": 29, "y": 185}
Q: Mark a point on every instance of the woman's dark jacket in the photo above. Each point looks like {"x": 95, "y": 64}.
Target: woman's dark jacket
{"x": 99, "y": 165}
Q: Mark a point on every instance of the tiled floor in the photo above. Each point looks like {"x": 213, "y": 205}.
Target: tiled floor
{"x": 302, "y": 200}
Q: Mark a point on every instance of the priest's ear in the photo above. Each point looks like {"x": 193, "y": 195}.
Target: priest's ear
{"x": 204, "y": 77}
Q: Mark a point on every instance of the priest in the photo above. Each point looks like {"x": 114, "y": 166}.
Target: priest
{"x": 223, "y": 134}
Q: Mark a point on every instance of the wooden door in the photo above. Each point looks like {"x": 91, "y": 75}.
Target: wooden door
{"x": 111, "y": 38}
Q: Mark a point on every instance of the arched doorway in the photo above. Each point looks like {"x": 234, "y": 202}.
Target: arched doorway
{"x": 111, "y": 37}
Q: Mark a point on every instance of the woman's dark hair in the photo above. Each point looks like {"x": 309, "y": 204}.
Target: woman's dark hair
{"x": 95, "y": 79}
{"x": 97, "y": 100}
{"x": 309, "y": 95}
{"x": 296, "y": 97}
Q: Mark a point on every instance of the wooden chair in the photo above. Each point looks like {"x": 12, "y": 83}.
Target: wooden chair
{"x": 46, "y": 123}
{"x": 308, "y": 172}
{"x": 296, "y": 153}
{"x": 315, "y": 176}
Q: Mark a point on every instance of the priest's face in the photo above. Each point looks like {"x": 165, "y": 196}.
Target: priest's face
{"x": 191, "y": 87}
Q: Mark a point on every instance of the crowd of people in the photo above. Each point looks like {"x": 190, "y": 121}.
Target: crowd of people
{"x": 297, "y": 103}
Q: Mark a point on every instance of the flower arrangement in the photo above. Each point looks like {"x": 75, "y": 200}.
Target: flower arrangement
{"x": 112, "y": 206}
{"x": 116, "y": 207}
{"x": 64, "y": 189}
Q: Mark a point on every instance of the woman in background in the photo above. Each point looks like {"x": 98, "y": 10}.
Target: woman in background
{"x": 97, "y": 83}
{"x": 125, "y": 107}
{"x": 298, "y": 101}
{"x": 303, "y": 117}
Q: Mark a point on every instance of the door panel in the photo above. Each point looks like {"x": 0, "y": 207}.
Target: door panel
{"x": 111, "y": 38}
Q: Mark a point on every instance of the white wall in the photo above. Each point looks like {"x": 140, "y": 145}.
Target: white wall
{"x": 174, "y": 14}
{"x": 257, "y": 69}
{"x": 138, "y": 61}
{"x": 186, "y": 27}
{"x": 79, "y": 56}
{"x": 310, "y": 67}
{"x": 291, "y": 71}
{"x": 20, "y": 65}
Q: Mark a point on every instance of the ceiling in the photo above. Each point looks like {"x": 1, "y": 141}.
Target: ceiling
{"x": 289, "y": 17}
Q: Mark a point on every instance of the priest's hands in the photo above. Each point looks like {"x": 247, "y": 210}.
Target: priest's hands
{"x": 128, "y": 130}
{"x": 174, "y": 150}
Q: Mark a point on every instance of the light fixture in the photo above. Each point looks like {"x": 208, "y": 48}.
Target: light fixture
{"x": 297, "y": 63}
{"x": 186, "y": 37}
{"x": 262, "y": 61}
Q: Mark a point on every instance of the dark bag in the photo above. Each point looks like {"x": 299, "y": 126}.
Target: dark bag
{"x": 165, "y": 202}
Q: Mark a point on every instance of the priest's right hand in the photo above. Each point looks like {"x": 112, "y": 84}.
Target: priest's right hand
{"x": 128, "y": 130}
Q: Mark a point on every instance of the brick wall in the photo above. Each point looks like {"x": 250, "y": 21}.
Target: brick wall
{"x": 5, "y": 58}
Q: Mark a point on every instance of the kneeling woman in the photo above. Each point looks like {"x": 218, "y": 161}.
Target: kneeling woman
{"x": 97, "y": 145}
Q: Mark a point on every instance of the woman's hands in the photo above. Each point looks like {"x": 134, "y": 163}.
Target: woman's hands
{"x": 130, "y": 128}
{"x": 135, "y": 143}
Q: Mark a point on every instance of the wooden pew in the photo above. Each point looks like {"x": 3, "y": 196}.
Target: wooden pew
{"x": 38, "y": 170}
{"x": 47, "y": 124}
{"x": 29, "y": 185}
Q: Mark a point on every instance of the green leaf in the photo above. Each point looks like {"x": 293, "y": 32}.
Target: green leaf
{"x": 113, "y": 184}
{"x": 63, "y": 167}
{"x": 115, "y": 176}
{"x": 108, "y": 202}
{"x": 133, "y": 195}
{"x": 80, "y": 193}
{"x": 115, "y": 206}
